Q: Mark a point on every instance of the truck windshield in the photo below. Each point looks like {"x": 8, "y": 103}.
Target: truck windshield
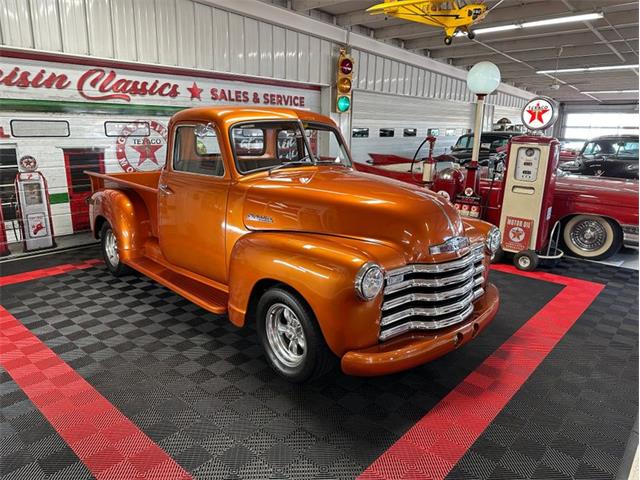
{"x": 268, "y": 145}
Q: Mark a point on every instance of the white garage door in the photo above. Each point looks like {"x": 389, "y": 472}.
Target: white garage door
{"x": 383, "y": 123}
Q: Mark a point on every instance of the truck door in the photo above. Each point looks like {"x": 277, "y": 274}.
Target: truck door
{"x": 192, "y": 203}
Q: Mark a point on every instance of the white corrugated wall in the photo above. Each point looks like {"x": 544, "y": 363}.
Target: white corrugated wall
{"x": 189, "y": 34}
{"x": 375, "y": 111}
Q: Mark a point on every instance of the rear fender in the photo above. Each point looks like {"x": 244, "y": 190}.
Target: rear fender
{"x": 127, "y": 215}
{"x": 321, "y": 269}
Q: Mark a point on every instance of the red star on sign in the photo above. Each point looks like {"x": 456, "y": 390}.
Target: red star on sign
{"x": 195, "y": 91}
{"x": 537, "y": 112}
{"x": 147, "y": 151}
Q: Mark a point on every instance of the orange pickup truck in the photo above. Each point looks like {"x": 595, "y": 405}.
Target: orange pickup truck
{"x": 259, "y": 214}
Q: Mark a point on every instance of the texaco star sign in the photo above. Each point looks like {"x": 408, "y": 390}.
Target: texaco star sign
{"x": 540, "y": 113}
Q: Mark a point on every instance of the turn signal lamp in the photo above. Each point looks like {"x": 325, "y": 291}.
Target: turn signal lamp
{"x": 344, "y": 82}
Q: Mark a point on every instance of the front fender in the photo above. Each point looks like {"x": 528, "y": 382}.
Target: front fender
{"x": 322, "y": 270}
{"x": 127, "y": 215}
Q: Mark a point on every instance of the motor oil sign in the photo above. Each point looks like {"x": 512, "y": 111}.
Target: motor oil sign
{"x": 517, "y": 234}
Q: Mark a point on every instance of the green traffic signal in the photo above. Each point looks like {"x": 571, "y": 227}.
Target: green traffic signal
{"x": 344, "y": 103}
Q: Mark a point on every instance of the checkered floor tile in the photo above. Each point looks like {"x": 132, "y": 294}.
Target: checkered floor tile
{"x": 201, "y": 389}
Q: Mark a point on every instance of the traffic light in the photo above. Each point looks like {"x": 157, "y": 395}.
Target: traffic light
{"x": 344, "y": 82}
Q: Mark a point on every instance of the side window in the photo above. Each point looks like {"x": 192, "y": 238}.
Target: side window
{"x": 287, "y": 145}
{"x": 588, "y": 150}
{"x": 196, "y": 150}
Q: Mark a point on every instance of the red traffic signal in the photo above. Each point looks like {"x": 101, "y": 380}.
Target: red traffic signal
{"x": 346, "y": 66}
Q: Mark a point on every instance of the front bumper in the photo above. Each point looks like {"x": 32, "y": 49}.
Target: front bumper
{"x": 416, "y": 348}
{"x": 630, "y": 235}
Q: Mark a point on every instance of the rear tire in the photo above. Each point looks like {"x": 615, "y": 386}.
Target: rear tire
{"x": 290, "y": 336}
{"x": 448, "y": 40}
{"x": 109, "y": 244}
{"x": 592, "y": 237}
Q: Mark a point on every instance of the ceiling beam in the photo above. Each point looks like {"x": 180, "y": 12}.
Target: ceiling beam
{"x": 304, "y": 5}
{"x": 470, "y": 48}
{"x": 578, "y": 62}
{"x": 358, "y": 17}
{"x": 620, "y": 19}
{"x": 540, "y": 55}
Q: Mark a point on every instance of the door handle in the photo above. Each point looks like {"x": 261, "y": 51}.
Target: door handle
{"x": 166, "y": 189}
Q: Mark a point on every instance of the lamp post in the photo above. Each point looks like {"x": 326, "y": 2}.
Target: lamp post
{"x": 482, "y": 79}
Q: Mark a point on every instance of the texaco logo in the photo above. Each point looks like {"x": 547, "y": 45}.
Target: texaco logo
{"x": 516, "y": 234}
{"x": 540, "y": 113}
{"x": 28, "y": 163}
{"x": 141, "y": 153}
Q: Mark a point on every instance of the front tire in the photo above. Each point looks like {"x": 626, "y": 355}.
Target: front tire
{"x": 592, "y": 237}
{"x": 290, "y": 337}
{"x": 448, "y": 40}
{"x": 109, "y": 244}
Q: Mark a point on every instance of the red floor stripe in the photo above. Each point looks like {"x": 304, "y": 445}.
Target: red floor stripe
{"x": 104, "y": 439}
{"x": 46, "y": 272}
{"x": 432, "y": 447}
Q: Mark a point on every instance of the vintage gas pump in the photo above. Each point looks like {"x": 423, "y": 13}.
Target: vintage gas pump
{"x": 33, "y": 205}
{"x": 528, "y": 188}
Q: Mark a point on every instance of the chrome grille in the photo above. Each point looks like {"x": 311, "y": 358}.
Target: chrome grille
{"x": 431, "y": 296}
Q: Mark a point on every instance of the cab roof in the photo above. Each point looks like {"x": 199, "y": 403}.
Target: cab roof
{"x": 227, "y": 115}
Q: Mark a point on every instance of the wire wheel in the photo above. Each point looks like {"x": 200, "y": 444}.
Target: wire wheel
{"x": 589, "y": 235}
{"x": 285, "y": 335}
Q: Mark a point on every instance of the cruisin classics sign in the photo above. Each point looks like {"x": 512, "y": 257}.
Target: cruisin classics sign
{"x": 27, "y": 79}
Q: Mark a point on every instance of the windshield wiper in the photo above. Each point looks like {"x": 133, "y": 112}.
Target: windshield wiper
{"x": 303, "y": 160}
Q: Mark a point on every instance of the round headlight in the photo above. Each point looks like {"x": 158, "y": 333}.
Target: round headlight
{"x": 493, "y": 240}
{"x": 369, "y": 281}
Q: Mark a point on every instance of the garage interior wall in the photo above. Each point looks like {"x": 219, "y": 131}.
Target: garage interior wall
{"x": 377, "y": 114}
{"x": 394, "y": 88}
{"x": 189, "y": 34}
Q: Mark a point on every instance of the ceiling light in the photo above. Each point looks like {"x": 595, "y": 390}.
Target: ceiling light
{"x": 501, "y": 28}
{"x": 611, "y": 91}
{"x": 572, "y": 18}
{"x": 588, "y": 69}
{"x": 541, "y": 23}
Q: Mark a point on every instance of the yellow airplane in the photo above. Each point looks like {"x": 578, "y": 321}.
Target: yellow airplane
{"x": 453, "y": 16}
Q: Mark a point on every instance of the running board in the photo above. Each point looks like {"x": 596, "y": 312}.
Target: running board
{"x": 205, "y": 296}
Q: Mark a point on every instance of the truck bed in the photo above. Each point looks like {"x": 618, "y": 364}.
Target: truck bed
{"x": 142, "y": 184}
{"x": 143, "y": 181}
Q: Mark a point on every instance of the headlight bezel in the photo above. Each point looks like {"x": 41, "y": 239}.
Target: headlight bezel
{"x": 493, "y": 240}
{"x": 369, "y": 268}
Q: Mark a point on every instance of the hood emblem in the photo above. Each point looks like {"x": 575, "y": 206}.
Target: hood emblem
{"x": 453, "y": 244}
{"x": 252, "y": 217}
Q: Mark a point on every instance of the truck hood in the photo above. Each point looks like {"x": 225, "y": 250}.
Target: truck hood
{"x": 601, "y": 190}
{"x": 343, "y": 202}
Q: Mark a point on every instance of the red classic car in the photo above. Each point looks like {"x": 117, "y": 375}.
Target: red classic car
{"x": 598, "y": 215}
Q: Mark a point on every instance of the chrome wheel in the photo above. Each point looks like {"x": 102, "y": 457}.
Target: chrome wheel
{"x": 589, "y": 235}
{"x": 285, "y": 335}
{"x": 111, "y": 248}
{"x": 524, "y": 263}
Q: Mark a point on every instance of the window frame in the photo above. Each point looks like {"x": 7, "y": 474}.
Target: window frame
{"x": 330, "y": 128}
{"x": 106, "y": 132}
{"x": 33, "y": 120}
{"x": 298, "y": 122}
{"x": 173, "y": 152}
